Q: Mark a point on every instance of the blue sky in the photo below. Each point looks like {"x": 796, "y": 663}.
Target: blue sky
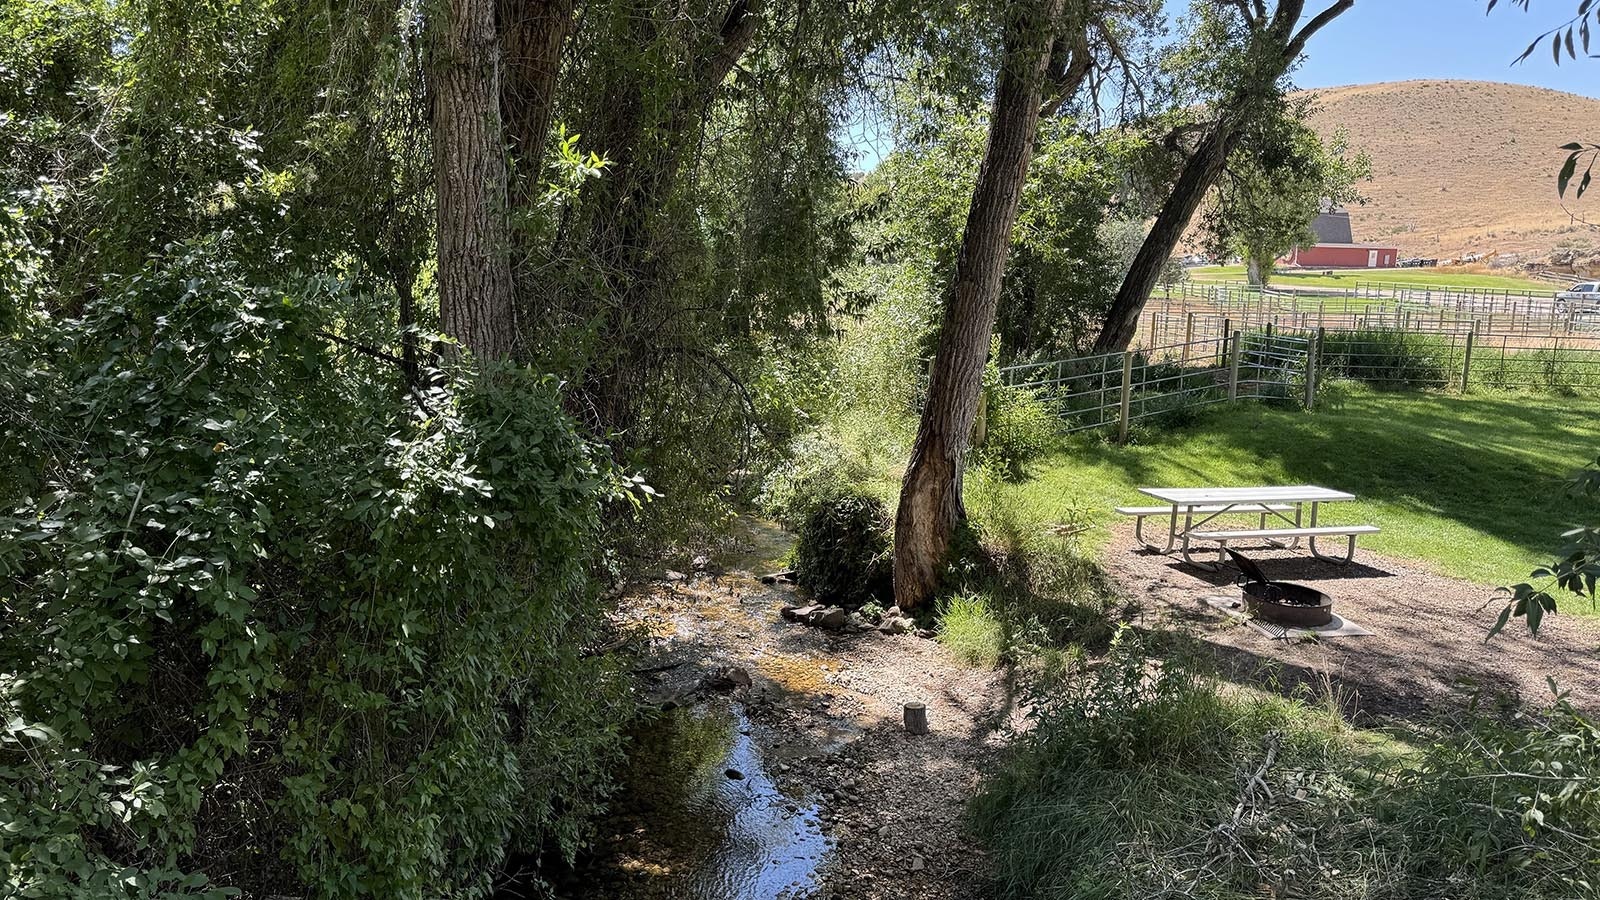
{"x": 1399, "y": 40}
{"x": 1396, "y": 40}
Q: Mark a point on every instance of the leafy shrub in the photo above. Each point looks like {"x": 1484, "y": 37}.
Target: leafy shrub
{"x": 1021, "y": 427}
{"x": 843, "y": 554}
{"x": 269, "y": 615}
{"x": 1508, "y": 806}
{"x": 1387, "y": 357}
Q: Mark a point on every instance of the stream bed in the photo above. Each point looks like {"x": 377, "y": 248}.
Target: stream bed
{"x": 702, "y": 816}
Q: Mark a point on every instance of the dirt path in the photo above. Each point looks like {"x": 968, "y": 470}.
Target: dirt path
{"x": 803, "y": 784}
{"x": 1427, "y": 650}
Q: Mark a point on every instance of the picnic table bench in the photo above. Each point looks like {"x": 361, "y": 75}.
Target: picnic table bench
{"x": 1296, "y": 506}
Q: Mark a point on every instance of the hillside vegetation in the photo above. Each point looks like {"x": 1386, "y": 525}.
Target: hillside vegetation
{"x": 1463, "y": 166}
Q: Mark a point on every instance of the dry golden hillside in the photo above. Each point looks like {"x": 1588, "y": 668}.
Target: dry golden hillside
{"x": 1464, "y": 166}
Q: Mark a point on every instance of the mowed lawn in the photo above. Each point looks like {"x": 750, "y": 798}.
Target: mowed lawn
{"x": 1348, "y": 278}
{"x": 1472, "y": 486}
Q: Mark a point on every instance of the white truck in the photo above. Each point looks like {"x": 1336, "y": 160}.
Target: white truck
{"x": 1584, "y": 297}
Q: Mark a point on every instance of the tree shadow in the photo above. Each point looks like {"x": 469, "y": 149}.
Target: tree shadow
{"x": 1492, "y": 464}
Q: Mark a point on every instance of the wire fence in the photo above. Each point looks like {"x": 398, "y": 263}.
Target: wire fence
{"x": 1270, "y": 364}
{"x": 1215, "y": 307}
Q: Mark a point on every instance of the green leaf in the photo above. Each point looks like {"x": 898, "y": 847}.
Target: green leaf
{"x": 1499, "y": 623}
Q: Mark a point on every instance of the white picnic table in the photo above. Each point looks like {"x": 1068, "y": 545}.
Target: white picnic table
{"x": 1297, "y": 506}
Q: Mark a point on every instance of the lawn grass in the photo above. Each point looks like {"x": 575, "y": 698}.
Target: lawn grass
{"x": 1347, "y": 278}
{"x": 1468, "y": 486}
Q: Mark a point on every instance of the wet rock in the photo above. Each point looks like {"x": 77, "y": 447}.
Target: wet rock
{"x": 733, "y": 774}
{"x": 726, "y": 678}
{"x": 816, "y": 615}
{"x": 676, "y": 576}
{"x": 786, "y": 576}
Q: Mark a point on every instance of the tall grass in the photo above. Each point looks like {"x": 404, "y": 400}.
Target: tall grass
{"x": 1140, "y": 778}
{"x": 970, "y": 629}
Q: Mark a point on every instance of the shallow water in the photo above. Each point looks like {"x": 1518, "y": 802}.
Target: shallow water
{"x": 765, "y": 850}
{"x": 687, "y": 827}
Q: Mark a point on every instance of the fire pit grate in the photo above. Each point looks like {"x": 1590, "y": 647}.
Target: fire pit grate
{"x": 1281, "y": 602}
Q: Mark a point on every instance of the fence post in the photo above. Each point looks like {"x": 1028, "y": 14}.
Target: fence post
{"x": 1222, "y": 342}
{"x": 1188, "y": 336}
{"x": 1313, "y": 350}
{"x": 1127, "y": 396}
{"x": 1466, "y": 362}
{"x": 1233, "y": 365}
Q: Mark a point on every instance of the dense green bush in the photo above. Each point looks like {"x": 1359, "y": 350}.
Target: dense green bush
{"x": 843, "y": 553}
{"x": 1021, "y": 427}
{"x": 267, "y": 615}
{"x": 1387, "y": 357}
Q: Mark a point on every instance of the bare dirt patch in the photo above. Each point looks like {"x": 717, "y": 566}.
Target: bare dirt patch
{"x": 1427, "y": 652}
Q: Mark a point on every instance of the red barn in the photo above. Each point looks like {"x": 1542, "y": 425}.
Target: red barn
{"x": 1344, "y": 256}
{"x": 1336, "y": 248}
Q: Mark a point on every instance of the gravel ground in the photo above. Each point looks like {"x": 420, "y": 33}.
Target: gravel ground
{"x": 1427, "y": 650}
{"x": 824, "y": 711}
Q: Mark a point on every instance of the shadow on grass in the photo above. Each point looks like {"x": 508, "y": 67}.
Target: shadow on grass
{"x": 1494, "y": 464}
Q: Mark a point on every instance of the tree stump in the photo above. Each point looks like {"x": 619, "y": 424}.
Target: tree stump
{"x": 916, "y": 718}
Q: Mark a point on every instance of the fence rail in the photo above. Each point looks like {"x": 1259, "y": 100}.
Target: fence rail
{"x": 1366, "y": 305}
{"x": 1119, "y": 389}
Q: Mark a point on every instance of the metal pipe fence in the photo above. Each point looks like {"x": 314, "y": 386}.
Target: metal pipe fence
{"x": 1367, "y": 305}
{"x": 1271, "y": 364}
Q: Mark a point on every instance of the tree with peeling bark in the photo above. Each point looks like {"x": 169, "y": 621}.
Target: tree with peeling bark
{"x": 1262, "y": 46}
{"x": 930, "y": 497}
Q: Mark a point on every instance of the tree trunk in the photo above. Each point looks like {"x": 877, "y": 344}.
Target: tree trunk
{"x": 1275, "y": 43}
{"x": 1258, "y": 267}
{"x": 930, "y": 496}
{"x": 532, "y": 36}
{"x": 649, "y": 141}
{"x": 1199, "y": 174}
{"x": 475, "y": 290}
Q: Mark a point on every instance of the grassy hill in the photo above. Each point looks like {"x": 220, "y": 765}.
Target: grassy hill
{"x": 1464, "y": 166}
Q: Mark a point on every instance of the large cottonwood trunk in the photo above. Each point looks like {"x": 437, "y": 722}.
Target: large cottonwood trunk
{"x": 1199, "y": 174}
{"x": 533, "y": 34}
{"x": 475, "y": 290}
{"x": 930, "y": 497}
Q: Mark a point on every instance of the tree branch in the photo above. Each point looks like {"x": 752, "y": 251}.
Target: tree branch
{"x": 1316, "y": 25}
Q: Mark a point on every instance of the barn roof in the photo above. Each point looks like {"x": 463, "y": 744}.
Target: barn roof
{"x": 1332, "y": 228}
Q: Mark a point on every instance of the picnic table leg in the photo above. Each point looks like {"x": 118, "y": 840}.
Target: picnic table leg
{"x": 1300, "y": 511}
{"x": 1188, "y": 557}
{"x": 1349, "y": 554}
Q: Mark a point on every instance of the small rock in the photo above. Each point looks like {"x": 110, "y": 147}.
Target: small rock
{"x": 918, "y": 864}
{"x": 676, "y": 576}
{"x": 925, "y": 633}
{"x": 832, "y": 618}
{"x": 726, "y": 678}
{"x": 895, "y": 625}
{"x": 801, "y": 613}
{"x": 734, "y": 774}
{"x": 786, "y": 575}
